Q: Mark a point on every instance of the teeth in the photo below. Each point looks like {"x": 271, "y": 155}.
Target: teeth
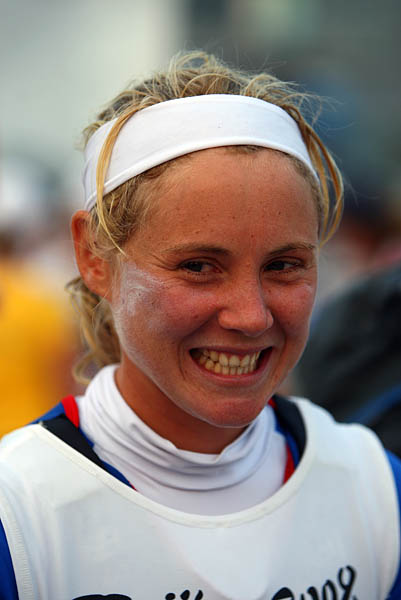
{"x": 221, "y": 363}
{"x": 223, "y": 359}
{"x": 234, "y": 361}
{"x": 245, "y": 361}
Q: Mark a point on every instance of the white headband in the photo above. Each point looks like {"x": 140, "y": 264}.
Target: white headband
{"x": 170, "y": 129}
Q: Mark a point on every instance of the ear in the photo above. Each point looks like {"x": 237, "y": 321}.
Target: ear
{"x": 95, "y": 271}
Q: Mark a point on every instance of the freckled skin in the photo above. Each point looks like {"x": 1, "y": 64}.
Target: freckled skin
{"x": 251, "y": 206}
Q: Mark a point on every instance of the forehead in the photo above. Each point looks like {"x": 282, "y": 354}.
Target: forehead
{"x": 229, "y": 160}
{"x": 231, "y": 190}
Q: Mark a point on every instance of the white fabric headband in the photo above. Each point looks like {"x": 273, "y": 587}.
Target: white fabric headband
{"x": 170, "y": 129}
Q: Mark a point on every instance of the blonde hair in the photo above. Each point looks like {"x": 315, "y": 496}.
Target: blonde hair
{"x": 120, "y": 213}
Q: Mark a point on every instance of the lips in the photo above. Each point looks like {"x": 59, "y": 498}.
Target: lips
{"x": 226, "y": 363}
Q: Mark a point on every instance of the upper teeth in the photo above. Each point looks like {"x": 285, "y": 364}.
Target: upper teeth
{"x": 228, "y": 363}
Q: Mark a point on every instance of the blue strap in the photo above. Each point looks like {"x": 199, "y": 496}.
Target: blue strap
{"x": 395, "y": 464}
{"x": 291, "y": 443}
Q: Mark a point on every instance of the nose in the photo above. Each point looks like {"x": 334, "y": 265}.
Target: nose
{"x": 246, "y": 309}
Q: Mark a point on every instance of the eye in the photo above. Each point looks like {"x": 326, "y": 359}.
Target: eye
{"x": 281, "y": 265}
{"x": 198, "y": 266}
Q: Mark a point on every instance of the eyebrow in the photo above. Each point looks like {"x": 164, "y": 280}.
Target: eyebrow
{"x": 209, "y": 249}
{"x": 296, "y": 246}
{"x": 193, "y": 247}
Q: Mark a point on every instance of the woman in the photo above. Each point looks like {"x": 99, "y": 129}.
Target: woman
{"x": 207, "y": 199}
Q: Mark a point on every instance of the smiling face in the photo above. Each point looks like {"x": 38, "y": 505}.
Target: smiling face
{"x": 213, "y": 299}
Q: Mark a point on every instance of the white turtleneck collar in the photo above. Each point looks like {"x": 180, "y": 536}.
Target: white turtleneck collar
{"x": 245, "y": 473}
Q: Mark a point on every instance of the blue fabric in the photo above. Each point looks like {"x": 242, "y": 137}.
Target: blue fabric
{"x": 395, "y": 463}
{"x": 112, "y": 470}
{"x": 290, "y": 442}
{"x": 56, "y": 411}
{"x": 8, "y": 585}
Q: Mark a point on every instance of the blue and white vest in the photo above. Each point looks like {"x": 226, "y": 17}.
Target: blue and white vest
{"x": 75, "y": 531}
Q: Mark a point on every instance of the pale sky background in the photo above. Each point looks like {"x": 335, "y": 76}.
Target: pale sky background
{"x": 61, "y": 61}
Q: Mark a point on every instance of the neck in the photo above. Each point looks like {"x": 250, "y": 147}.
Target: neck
{"x": 184, "y": 430}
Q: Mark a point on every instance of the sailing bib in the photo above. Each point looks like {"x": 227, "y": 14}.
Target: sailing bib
{"x": 76, "y": 532}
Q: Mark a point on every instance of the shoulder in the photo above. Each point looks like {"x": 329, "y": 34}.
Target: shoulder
{"x": 356, "y": 451}
{"x": 13, "y": 437}
{"x": 395, "y": 463}
{"x": 351, "y": 445}
{"x": 18, "y": 461}
{"x": 21, "y": 454}
{"x": 375, "y": 473}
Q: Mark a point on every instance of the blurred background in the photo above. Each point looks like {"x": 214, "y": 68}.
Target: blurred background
{"x": 61, "y": 61}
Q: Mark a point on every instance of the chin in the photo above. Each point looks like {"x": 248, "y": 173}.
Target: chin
{"x": 231, "y": 414}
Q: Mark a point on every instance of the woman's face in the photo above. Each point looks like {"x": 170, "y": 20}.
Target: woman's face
{"x": 213, "y": 300}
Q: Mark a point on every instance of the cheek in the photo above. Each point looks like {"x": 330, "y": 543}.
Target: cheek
{"x": 183, "y": 311}
{"x": 134, "y": 303}
{"x": 294, "y": 311}
{"x": 157, "y": 309}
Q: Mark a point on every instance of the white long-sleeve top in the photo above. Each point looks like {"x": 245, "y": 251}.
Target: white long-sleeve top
{"x": 245, "y": 473}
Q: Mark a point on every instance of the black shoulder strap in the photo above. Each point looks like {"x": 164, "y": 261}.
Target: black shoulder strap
{"x": 290, "y": 416}
{"x": 66, "y": 431}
